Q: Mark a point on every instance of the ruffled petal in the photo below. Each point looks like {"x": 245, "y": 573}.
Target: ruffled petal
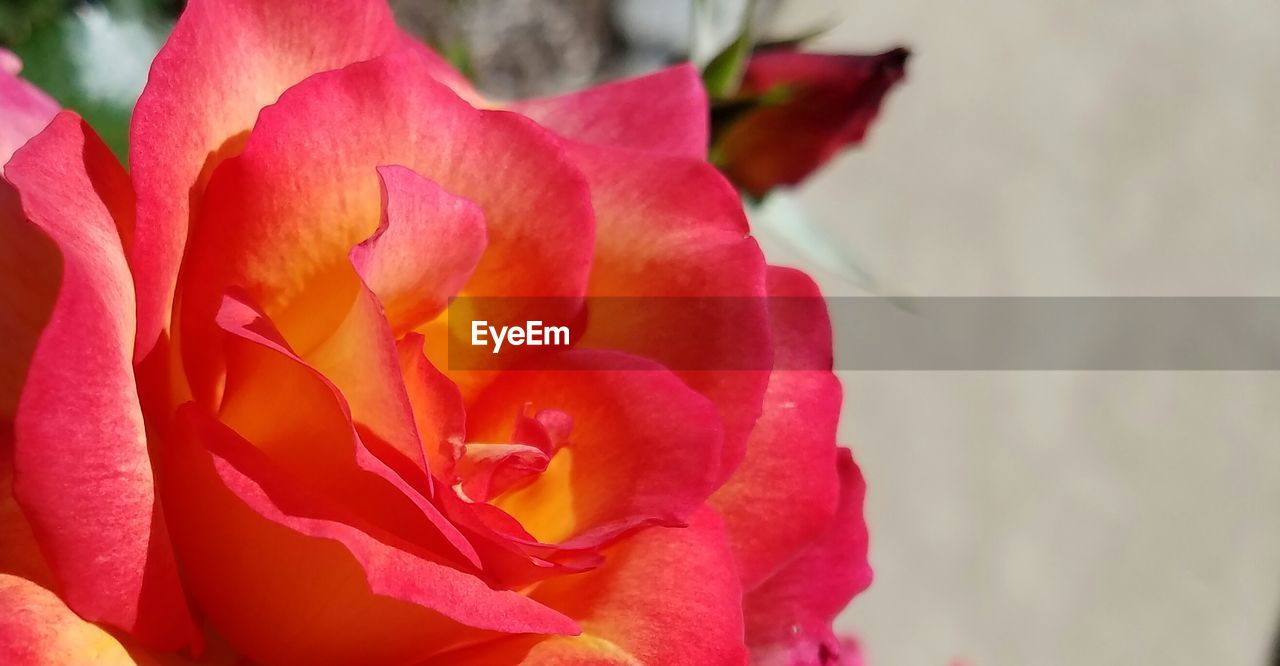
{"x": 314, "y": 442}
{"x": 643, "y": 448}
{"x": 82, "y": 473}
{"x": 286, "y": 586}
{"x": 663, "y": 112}
{"x": 424, "y": 250}
{"x": 489, "y": 470}
{"x": 785, "y": 492}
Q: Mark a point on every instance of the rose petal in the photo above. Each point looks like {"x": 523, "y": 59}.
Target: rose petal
{"x": 664, "y": 596}
{"x": 21, "y": 553}
{"x": 24, "y": 108}
{"x": 36, "y": 627}
{"x": 223, "y": 62}
{"x": 437, "y": 408}
{"x": 314, "y": 443}
{"x": 281, "y": 218}
{"x": 785, "y": 492}
{"x": 672, "y": 227}
{"x": 643, "y": 450}
{"x": 794, "y": 608}
{"x": 512, "y": 557}
{"x": 445, "y": 73}
{"x": 492, "y": 469}
{"x": 362, "y": 362}
{"x": 663, "y": 112}
{"x": 30, "y": 276}
{"x": 82, "y": 473}
{"x": 489, "y": 470}
{"x": 424, "y": 250}
{"x": 288, "y": 588}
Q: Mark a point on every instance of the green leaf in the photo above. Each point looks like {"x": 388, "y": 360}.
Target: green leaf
{"x": 795, "y": 41}
{"x": 19, "y": 19}
{"x": 723, "y": 74}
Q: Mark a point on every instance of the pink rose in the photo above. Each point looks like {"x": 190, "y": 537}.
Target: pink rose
{"x": 227, "y": 426}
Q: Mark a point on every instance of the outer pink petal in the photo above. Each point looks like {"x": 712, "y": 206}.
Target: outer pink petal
{"x": 664, "y": 112}
{"x": 81, "y": 468}
{"x": 673, "y": 227}
{"x": 785, "y": 492}
{"x": 424, "y": 250}
{"x": 664, "y": 596}
{"x": 37, "y": 628}
{"x": 643, "y": 448}
{"x": 791, "y": 612}
{"x": 224, "y": 61}
{"x": 24, "y": 108}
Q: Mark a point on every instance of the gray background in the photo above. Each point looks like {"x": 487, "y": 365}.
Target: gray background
{"x": 1044, "y": 147}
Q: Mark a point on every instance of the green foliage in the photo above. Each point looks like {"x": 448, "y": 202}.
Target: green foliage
{"x": 19, "y": 18}
{"x": 723, "y": 74}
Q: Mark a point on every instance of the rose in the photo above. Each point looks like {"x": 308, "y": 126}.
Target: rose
{"x": 300, "y": 439}
{"x": 229, "y": 429}
{"x": 799, "y": 110}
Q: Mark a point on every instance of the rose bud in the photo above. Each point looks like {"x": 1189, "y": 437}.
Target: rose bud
{"x": 795, "y": 111}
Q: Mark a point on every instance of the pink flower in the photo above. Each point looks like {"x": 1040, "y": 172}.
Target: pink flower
{"x": 227, "y": 424}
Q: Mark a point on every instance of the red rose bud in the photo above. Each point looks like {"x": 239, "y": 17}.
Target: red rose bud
{"x": 807, "y": 107}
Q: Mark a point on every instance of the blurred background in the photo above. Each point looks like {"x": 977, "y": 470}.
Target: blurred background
{"x": 1037, "y": 148}
{"x": 1049, "y": 148}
